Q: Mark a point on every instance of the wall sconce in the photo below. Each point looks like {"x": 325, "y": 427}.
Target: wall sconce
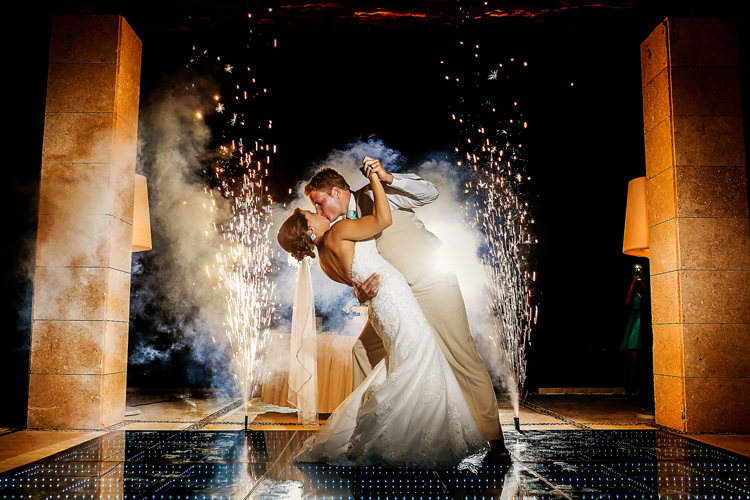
{"x": 141, "y": 219}
{"x": 635, "y": 241}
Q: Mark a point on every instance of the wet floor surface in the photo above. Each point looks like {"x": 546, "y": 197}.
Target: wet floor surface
{"x": 547, "y": 464}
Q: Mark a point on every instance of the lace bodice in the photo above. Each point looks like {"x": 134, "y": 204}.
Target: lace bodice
{"x": 408, "y": 412}
{"x": 367, "y": 260}
{"x": 393, "y": 295}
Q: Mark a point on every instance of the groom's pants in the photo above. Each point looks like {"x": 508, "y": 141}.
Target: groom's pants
{"x": 441, "y": 301}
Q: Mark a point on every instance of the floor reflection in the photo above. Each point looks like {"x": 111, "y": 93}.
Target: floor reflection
{"x": 623, "y": 464}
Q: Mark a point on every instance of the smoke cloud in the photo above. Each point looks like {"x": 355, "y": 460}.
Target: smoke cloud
{"x": 177, "y": 314}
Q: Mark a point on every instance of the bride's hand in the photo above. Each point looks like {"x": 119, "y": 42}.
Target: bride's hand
{"x": 372, "y": 166}
{"x": 367, "y": 290}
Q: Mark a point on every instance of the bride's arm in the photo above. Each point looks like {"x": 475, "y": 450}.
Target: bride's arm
{"x": 381, "y": 209}
{"x": 368, "y": 225}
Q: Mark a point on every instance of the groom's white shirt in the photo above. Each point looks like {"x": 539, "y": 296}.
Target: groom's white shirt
{"x": 409, "y": 191}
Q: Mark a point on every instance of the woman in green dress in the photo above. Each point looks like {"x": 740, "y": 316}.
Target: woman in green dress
{"x": 631, "y": 340}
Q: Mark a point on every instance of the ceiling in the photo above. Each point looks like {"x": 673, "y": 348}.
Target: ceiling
{"x": 195, "y": 15}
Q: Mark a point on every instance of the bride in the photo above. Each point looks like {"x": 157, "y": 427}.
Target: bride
{"x": 410, "y": 410}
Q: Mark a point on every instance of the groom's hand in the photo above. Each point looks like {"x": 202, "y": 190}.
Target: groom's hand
{"x": 372, "y": 166}
{"x": 367, "y": 290}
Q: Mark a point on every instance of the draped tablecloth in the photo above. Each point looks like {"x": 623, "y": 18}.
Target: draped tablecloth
{"x": 334, "y": 370}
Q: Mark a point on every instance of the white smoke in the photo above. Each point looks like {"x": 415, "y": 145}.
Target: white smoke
{"x": 171, "y": 283}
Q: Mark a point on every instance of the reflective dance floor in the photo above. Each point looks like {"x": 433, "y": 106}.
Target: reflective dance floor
{"x": 547, "y": 464}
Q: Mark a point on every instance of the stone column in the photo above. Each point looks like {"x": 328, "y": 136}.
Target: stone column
{"x": 698, "y": 223}
{"x": 82, "y": 279}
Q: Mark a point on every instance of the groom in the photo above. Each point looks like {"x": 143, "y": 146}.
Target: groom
{"x": 411, "y": 248}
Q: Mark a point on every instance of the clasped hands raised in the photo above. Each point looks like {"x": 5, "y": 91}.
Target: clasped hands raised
{"x": 372, "y": 166}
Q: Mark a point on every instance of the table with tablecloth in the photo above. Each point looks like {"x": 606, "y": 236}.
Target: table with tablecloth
{"x": 334, "y": 359}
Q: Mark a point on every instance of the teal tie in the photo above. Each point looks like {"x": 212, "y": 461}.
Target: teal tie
{"x": 351, "y": 214}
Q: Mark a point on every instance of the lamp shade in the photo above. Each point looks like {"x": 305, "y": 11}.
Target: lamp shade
{"x": 635, "y": 241}
{"x": 141, "y": 219}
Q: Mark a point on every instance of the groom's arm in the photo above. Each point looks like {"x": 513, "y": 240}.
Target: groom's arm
{"x": 410, "y": 191}
{"x": 402, "y": 190}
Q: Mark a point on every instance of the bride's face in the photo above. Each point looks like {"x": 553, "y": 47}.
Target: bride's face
{"x": 317, "y": 223}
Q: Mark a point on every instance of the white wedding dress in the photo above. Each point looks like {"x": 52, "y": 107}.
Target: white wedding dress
{"x": 410, "y": 412}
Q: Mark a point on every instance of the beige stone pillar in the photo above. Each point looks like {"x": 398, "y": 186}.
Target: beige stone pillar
{"x": 82, "y": 279}
{"x": 698, "y": 219}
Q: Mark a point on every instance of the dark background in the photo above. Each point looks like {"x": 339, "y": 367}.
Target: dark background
{"x": 337, "y": 76}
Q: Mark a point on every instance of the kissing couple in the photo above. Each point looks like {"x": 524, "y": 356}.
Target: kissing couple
{"x": 422, "y": 396}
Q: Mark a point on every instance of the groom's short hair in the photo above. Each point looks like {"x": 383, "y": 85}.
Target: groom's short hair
{"x": 325, "y": 180}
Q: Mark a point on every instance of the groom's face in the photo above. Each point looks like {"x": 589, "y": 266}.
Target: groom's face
{"x": 331, "y": 206}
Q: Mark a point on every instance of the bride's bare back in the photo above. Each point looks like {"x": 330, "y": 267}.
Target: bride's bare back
{"x": 336, "y": 255}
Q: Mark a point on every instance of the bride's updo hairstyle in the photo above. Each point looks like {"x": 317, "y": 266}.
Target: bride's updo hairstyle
{"x": 293, "y": 236}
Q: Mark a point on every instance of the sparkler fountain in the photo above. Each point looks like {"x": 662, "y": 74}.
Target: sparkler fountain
{"x": 490, "y": 157}
{"x": 503, "y": 219}
{"x": 244, "y": 266}
{"x": 493, "y": 165}
{"x": 243, "y": 262}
